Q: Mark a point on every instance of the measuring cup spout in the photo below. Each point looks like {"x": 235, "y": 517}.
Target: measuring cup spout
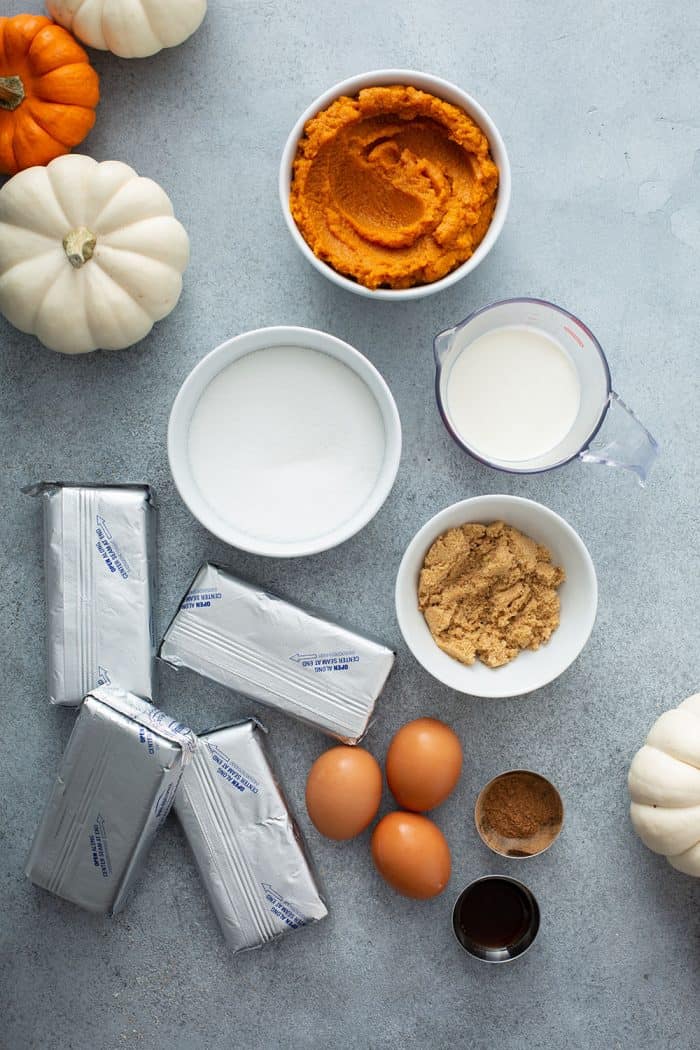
{"x": 623, "y": 441}
{"x": 442, "y": 343}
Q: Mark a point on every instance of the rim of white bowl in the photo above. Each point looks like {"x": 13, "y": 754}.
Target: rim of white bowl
{"x": 431, "y": 530}
{"x": 444, "y": 89}
{"x": 239, "y": 346}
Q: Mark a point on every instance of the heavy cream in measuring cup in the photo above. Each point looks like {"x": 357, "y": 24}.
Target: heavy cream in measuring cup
{"x": 513, "y": 394}
{"x": 286, "y": 443}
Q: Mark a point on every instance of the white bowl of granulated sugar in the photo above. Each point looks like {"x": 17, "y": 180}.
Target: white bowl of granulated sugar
{"x": 284, "y": 441}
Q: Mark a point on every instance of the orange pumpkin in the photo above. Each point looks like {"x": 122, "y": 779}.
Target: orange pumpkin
{"x": 48, "y": 92}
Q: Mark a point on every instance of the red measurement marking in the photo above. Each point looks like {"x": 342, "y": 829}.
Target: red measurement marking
{"x": 573, "y": 336}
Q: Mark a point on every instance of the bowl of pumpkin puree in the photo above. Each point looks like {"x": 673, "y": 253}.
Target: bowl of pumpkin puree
{"x": 395, "y": 184}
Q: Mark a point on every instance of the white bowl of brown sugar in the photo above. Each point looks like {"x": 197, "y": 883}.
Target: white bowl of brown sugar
{"x": 496, "y": 596}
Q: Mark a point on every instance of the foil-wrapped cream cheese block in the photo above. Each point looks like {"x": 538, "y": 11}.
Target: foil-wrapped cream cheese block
{"x": 245, "y": 842}
{"x": 115, "y": 786}
{"x": 272, "y": 651}
{"x": 100, "y": 567}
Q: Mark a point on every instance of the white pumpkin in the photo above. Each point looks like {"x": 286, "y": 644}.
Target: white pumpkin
{"x": 664, "y": 785}
{"x": 90, "y": 254}
{"x": 129, "y": 28}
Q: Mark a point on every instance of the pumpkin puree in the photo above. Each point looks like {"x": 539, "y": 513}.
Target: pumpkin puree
{"x": 394, "y": 187}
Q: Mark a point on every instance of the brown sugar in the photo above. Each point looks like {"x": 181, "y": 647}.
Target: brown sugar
{"x": 487, "y": 592}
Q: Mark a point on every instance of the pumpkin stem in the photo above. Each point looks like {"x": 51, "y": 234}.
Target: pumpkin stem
{"x": 11, "y": 92}
{"x": 79, "y": 246}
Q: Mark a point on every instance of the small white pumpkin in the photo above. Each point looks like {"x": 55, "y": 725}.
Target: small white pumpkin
{"x": 664, "y": 785}
{"x": 129, "y": 28}
{"x": 90, "y": 254}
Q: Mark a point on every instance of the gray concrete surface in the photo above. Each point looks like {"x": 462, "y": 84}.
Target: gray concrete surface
{"x": 598, "y": 106}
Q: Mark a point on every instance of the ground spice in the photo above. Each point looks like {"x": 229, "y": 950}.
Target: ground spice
{"x": 519, "y": 813}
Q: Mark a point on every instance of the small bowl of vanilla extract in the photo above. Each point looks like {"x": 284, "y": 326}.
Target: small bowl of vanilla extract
{"x": 496, "y": 919}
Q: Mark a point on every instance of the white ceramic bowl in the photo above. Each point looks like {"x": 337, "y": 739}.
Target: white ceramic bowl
{"x": 578, "y": 594}
{"x": 441, "y": 89}
{"x": 210, "y": 366}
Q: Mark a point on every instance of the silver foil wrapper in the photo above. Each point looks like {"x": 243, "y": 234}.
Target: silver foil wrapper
{"x": 115, "y": 786}
{"x": 274, "y": 652}
{"x": 247, "y": 847}
{"x": 100, "y": 567}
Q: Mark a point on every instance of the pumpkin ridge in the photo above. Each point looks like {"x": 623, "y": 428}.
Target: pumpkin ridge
{"x": 30, "y": 139}
{"x": 15, "y": 159}
{"x": 98, "y": 217}
{"x": 107, "y": 303}
{"x": 59, "y": 203}
{"x": 55, "y": 38}
{"x": 665, "y": 805}
{"x": 88, "y": 325}
{"x": 49, "y": 285}
{"x": 128, "y": 225}
{"x": 20, "y": 31}
{"x": 103, "y": 27}
{"x": 154, "y": 311}
{"x": 50, "y": 243}
{"x": 146, "y": 15}
{"x": 672, "y": 754}
{"x": 67, "y": 73}
{"x": 114, "y": 196}
{"x": 21, "y": 262}
{"x": 74, "y": 12}
{"x": 40, "y": 122}
{"x": 676, "y": 859}
{"x": 135, "y": 251}
{"x": 48, "y": 131}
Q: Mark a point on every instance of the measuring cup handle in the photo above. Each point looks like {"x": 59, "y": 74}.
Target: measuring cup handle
{"x": 623, "y": 441}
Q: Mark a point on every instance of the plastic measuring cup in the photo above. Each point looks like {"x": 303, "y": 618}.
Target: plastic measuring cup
{"x": 625, "y": 441}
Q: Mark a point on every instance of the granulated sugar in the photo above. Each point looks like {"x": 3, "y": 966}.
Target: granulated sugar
{"x": 286, "y": 443}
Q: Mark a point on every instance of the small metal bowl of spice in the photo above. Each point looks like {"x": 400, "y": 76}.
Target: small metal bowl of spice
{"x": 519, "y": 814}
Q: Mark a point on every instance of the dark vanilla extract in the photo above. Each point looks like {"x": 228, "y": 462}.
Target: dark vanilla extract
{"x": 493, "y": 913}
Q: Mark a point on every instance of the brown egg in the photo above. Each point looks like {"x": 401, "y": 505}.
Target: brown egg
{"x": 343, "y": 791}
{"x": 423, "y": 764}
{"x": 411, "y": 854}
